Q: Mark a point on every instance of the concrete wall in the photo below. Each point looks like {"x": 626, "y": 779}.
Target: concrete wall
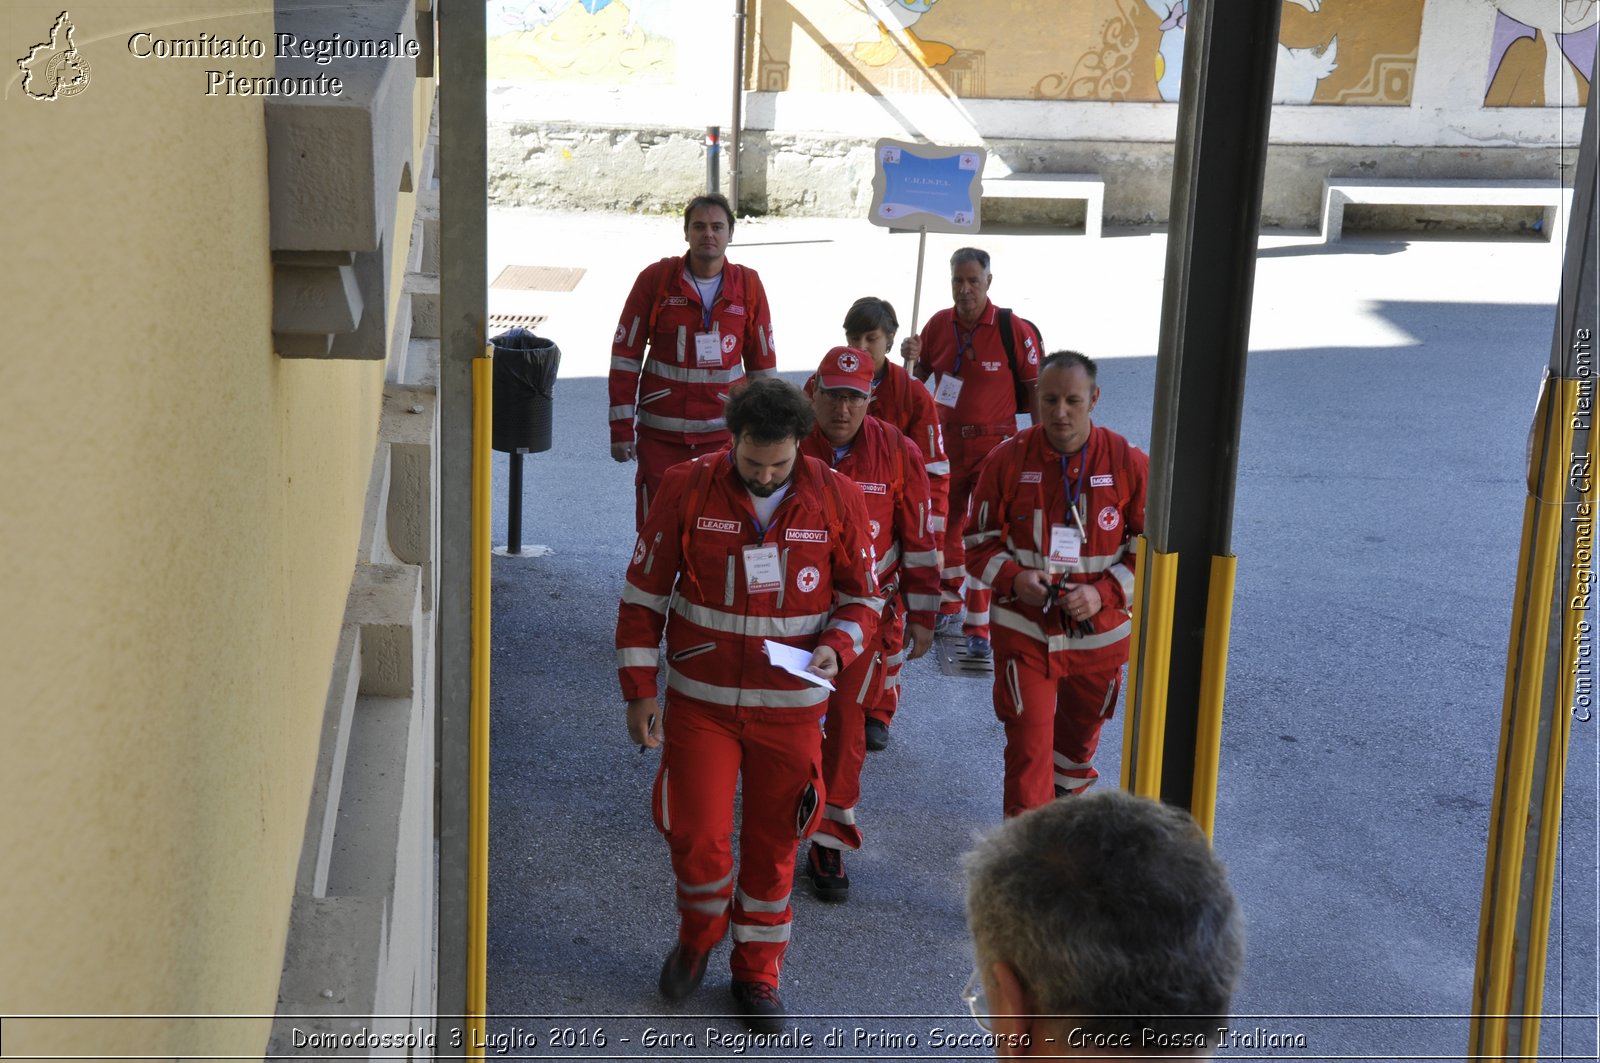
{"x": 1453, "y": 88}
{"x": 182, "y": 509}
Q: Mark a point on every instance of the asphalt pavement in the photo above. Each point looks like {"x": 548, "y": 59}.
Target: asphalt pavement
{"x": 1380, "y": 495}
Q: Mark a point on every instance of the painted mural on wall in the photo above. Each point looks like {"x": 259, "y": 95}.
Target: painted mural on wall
{"x": 1542, "y": 54}
{"x": 1330, "y": 51}
{"x": 605, "y": 42}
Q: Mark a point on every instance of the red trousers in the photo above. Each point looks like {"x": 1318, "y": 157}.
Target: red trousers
{"x": 892, "y": 645}
{"x": 844, "y": 747}
{"x": 966, "y": 455}
{"x": 656, "y": 454}
{"x": 1052, "y": 723}
{"x": 708, "y": 749}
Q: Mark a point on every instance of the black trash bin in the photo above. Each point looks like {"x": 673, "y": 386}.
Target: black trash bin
{"x": 524, "y": 391}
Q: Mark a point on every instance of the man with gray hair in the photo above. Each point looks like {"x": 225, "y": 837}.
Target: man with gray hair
{"x": 980, "y": 361}
{"x": 1103, "y": 926}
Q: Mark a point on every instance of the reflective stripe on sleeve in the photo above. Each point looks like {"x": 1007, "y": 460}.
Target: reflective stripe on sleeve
{"x": 634, "y": 657}
{"x": 923, "y": 603}
{"x": 938, "y": 468}
{"x": 874, "y": 603}
{"x": 1124, "y": 580}
{"x": 972, "y": 541}
{"x": 633, "y": 595}
{"x": 622, "y": 413}
{"x": 890, "y": 558}
{"x": 853, "y": 629}
{"x": 627, "y": 365}
{"x": 921, "y": 559}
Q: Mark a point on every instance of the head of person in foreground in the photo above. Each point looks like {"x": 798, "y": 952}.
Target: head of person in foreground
{"x": 1103, "y": 925}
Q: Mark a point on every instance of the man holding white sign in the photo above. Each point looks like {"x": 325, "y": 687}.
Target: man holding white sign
{"x": 980, "y": 362}
{"x": 755, "y": 543}
{"x": 1052, "y": 527}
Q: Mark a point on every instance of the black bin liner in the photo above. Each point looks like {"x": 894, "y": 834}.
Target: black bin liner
{"x": 524, "y": 391}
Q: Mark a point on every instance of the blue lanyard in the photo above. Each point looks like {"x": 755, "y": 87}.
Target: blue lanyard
{"x": 706, "y": 305}
{"x": 1073, "y": 492}
{"x": 961, "y": 348}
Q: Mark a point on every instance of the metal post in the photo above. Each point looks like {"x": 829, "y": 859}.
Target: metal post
{"x": 1552, "y": 635}
{"x": 463, "y": 297}
{"x": 739, "y": 25}
{"x": 712, "y": 178}
{"x": 514, "y": 507}
{"x": 1224, "y": 108}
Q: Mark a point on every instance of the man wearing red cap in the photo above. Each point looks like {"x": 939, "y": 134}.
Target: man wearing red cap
{"x": 889, "y": 469}
{"x": 980, "y": 362}
{"x": 870, "y": 325}
{"x": 746, "y": 555}
{"x": 706, "y": 323}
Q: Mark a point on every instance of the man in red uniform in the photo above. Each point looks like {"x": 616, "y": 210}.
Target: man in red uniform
{"x": 889, "y": 469}
{"x": 979, "y": 387}
{"x": 706, "y": 323}
{"x": 870, "y": 325}
{"x": 1052, "y": 527}
{"x": 753, "y": 551}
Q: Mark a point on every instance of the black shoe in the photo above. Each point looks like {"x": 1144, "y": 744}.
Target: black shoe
{"x": 825, "y": 867}
{"x": 877, "y": 734}
{"x": 758, "y": 1004}
{"x": 681, "y": 972}
{"x": 978, "y": 646}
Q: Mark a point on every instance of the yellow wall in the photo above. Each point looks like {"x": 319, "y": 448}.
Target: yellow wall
{"x": 179, "y": 511}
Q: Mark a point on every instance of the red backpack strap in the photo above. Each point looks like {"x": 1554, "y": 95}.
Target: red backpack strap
{"x": 664, "y": 282}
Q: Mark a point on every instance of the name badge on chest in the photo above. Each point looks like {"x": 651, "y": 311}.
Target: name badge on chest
{"x": 763, "y": 572}
{"x": 1066, "y": 546}
{"x": 949, "y": 390}
{"x": 707, "y": 349}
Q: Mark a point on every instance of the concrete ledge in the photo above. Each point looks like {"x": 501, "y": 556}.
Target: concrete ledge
{"x": 1340, "y": 192}
{"x": 328, "y": 787}
{"x": 1091, "y": 188}
{"x": 386, "y": 603}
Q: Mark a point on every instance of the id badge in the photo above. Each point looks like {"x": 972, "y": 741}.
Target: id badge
{"x": 762, "y": 571}
{"x": 1066, "y": 545}
{"x": 949, "y": 390}
{"x": 707, "y": 349}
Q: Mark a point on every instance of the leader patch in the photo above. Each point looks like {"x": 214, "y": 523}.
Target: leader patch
{"x": 730, "y": 527}
{"x": 1110, "y": 518}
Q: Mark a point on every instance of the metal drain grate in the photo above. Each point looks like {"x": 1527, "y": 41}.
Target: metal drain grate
{"x": 538, "y": 278}
{"x": 953, "y": 660}
{"x": 497, "y": 322}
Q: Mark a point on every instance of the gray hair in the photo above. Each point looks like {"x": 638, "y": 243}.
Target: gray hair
{"x": 1111, "y": 909}
{"x": 970, "y": 254}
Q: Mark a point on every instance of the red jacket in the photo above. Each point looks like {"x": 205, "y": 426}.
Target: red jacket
{"x": 888, "y": 468}
{"x": 1022, "y": 490}
{"x": 690, "y": 558}
{"x": 988, "y": 390}
{"x": 669, "y": 391}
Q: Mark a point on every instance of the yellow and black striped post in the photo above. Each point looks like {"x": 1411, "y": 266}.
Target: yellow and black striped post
{"x": 1551, "y": 623}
